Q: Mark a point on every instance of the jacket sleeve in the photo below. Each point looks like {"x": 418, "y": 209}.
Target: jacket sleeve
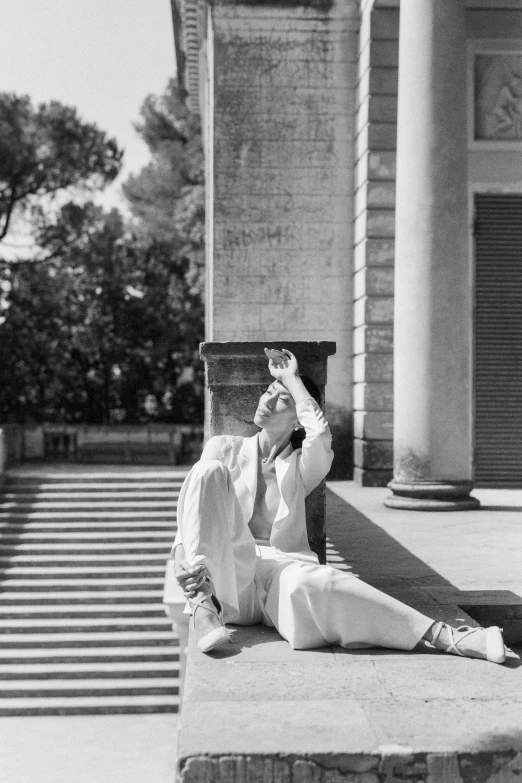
{"x": 316, "y": 451}
{"x": 213, "y": 449}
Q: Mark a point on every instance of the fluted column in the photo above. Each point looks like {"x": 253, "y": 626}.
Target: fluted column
{"x": 433, "y": 293}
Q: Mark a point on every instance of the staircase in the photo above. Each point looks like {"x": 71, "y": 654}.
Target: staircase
{"x": 82, "y": 564}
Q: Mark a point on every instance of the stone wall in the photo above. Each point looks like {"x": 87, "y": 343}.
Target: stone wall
{"x": 374, "y": 234}
{"x": 397, "y": 764}
{"x": 279, "y": 267}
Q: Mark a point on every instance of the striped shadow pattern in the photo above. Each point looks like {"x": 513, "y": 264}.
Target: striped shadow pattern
{"x": 83, "y": 630}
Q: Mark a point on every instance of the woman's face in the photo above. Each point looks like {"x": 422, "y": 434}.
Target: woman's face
{"x": 276, "y": 409}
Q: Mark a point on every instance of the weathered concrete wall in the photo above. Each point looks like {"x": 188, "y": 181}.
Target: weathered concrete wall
{"x": 374, "y": 240}
{"x": 280, "y": 263}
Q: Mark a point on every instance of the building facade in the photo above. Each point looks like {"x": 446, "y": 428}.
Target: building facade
{"x": 364, "y": 185}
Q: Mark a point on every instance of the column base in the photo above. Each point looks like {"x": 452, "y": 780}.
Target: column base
{"x": 432, "y": 496}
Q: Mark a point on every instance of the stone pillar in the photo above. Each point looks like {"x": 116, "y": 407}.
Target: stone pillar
{"x": 433, "y": 291}
{"x": 236, "y": 375}
{"x": 279, "y": 150}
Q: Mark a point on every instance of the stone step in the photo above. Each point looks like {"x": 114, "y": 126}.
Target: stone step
{"x": 86, "y": 485}
{"x": 92, "y": 705}
{"x": 72, "y": 541}
{"x": 88, "y": 597}
{"x": 115, "y": 686}
{"x": 99, "y": 536}
{"x": 93, "y": 526}
{"x": 105, "y": 475}
{"x": 115, "y": 546}
{"x": 89, "y": 670}
{"x": 105, "y": 561}
{"x": 88, "y": 655}
{"x": 71, "y": 535}
{"x": 43, "y": 584}
{"x": 62, "y": 572}
{"x": 85, "y": 555}
{"x": 89, "y": 515}
{"x": 85, "y": 638}
{"x": 59, "y": 496}
{"x": 84, "y": 624}
{"x": 85, "y": 610}
{"x": 101, "y": 507}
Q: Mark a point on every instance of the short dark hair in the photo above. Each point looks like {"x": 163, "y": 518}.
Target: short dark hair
{"x": 313, "y": 390}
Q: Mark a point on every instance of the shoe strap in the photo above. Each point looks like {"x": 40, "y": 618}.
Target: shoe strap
{"x": 452, "y": 647}
{"x": 204, "y": 603}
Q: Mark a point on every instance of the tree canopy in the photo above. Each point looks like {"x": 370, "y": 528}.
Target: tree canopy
{"x": 106, "y": 328}
{"x": 167, "y": 197}
{"x": 45, "y": 150}
{"x": 108, "y": 333}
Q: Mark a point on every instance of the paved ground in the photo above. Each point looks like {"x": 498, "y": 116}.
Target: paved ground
{"x": 80, "y": 749}
{"x": 471, "y": 550}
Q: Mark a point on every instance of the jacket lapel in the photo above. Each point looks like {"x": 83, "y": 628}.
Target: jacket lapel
{"x": 247, "y": 460}
{"x": 282, "y": 465}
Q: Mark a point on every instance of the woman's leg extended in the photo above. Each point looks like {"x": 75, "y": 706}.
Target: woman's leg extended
{"x": 317, "y": 605}
{"x": 213, "y": 534}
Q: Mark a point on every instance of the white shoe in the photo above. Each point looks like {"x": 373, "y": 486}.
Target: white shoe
{"x": 217, "y": 636}
{"x": 495, "y": 648}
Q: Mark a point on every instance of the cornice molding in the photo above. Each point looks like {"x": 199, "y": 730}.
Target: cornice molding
{"x": 189, "y": 19}
{"x": 189, "y": 33}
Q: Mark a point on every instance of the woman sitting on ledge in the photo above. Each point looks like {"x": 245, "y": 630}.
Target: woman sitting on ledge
{"x": 242, "y": 554}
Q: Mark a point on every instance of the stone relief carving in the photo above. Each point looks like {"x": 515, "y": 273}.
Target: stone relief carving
{"x": 498, "y": 97}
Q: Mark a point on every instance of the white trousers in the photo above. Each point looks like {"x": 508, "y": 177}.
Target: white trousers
{"x": 311, "y": 605}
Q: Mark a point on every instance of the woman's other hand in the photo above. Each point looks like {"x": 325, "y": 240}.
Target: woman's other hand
{"x": 189, "y": 579}
{"x": 281, "y": 364}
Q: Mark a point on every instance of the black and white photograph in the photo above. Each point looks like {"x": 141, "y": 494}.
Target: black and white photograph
{"x": 261, "y": 391}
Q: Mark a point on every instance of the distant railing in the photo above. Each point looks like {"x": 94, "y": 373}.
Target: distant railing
{"x": 11, "y": 445}
{"x": 174, "y": 444}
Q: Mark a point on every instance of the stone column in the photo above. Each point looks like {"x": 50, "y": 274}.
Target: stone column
{"x": 433, "y": 292}
{"x": 236, "y": 376}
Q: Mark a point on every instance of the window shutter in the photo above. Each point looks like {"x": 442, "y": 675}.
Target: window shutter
{"x": 498, "y": 340}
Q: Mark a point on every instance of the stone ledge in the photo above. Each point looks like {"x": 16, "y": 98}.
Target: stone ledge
{"x": 259, "y": 711}
{"x": 398, "y": 765}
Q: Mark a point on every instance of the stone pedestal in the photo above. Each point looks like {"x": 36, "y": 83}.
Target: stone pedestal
{"x": 433, "y": 291}
{"x": 236, "y": 376}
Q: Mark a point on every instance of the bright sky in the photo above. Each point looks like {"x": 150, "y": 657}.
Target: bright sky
{"x": 102, "y": 56}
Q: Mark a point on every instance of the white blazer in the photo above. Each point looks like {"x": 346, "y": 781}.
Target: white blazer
{"x": 298, "y": 473}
